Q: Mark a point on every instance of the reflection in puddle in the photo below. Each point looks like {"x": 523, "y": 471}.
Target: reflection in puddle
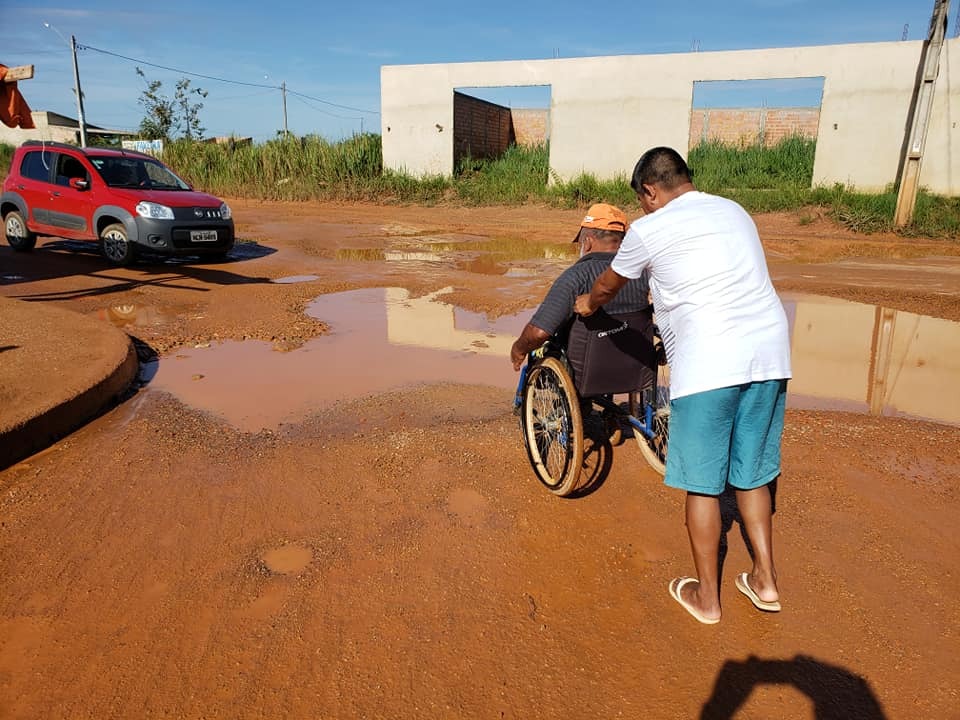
{"x": 380, "y": 340}
{"x": 411, "y": 256}
{"x": 370, "y": 254}
{"x": 862, "y": 358}
{"x": 845, "y": 356}
{"x": 290, "y": 279}
{"x": 483, "y": 265}
{"x": 133, "y": 315}
{"x": 483, "y": 257}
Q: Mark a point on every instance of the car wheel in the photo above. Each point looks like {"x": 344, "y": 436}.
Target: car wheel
{"x": 16, "y": 231}
{"x": 115, "y": 246}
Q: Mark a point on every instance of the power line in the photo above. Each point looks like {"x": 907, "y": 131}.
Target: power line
{"x": 227, "y": 80}
{"x": 321, "y": 110}
{"x": 325, "y": 102}
{"x": 177, "y": 70}
{"x": 219, "y": 98}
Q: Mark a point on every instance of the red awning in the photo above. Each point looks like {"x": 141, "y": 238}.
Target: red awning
{"x": 14, "y": 111}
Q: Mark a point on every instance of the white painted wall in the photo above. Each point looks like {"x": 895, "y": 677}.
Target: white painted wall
{"x": 43, "y": 130}
{"x": 605, "y": 111}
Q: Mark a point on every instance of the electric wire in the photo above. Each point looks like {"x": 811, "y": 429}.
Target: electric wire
{"x": 325, "y": 112}
{"x": 214, "y": 78}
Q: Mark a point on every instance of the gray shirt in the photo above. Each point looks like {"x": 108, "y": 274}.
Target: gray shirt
{"x": 556, "y": 311}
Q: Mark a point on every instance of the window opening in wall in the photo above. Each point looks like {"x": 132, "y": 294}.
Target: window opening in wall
{"x": 493, "y": 122}
{"x": 754, "y": 133}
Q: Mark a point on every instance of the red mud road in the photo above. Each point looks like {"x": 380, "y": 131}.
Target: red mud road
{"x": 392, "y": 556}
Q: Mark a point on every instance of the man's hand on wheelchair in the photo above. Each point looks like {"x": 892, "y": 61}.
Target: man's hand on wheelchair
{"x": 582, "y": 306}
{"x": 660, "y": 350}
{"x": 517, "y": 356}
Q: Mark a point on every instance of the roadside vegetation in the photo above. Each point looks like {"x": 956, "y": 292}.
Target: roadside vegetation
{"x": 761, "y": 179}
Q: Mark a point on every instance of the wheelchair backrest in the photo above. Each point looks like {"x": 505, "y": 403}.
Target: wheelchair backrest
{"x": 612, "y": 353}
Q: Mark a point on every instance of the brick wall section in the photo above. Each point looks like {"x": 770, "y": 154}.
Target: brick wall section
{"x": 531, "y": 126}
{"x": 744, "y": 126}
{"x": 481, "y": 129}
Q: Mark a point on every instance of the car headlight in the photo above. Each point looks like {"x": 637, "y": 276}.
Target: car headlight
{"x": 154, "y": 210}
{"x": 225, "y": 211}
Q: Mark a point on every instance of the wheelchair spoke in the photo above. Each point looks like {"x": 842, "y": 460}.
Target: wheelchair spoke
{"x": 553, "y": 430}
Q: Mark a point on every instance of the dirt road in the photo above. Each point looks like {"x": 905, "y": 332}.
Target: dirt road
{"x": 390, "y": 555}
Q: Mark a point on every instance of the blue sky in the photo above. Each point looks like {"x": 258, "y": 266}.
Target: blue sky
{"x": 332, "y": 52}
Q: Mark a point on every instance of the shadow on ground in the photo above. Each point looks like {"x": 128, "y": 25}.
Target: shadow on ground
{"x": 49, "y": 262}
{"x": 836, "y": 693}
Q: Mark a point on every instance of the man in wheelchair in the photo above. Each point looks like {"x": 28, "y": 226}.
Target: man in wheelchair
{"x": 607, "y": 353}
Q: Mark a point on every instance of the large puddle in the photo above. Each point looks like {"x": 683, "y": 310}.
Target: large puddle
{"x": 380, "y": 340}
{"x": 846, "y": 356}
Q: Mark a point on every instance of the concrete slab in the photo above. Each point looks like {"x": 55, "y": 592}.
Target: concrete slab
{"x": 58, "y": 369}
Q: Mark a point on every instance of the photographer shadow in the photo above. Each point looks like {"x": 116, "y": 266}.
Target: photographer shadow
{"x": 836, "y": 693}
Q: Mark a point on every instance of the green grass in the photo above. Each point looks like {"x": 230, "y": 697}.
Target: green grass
{"x": 6, "y": 154}
{"x": 760, "y": 179}
{"x": 786, "y": 166}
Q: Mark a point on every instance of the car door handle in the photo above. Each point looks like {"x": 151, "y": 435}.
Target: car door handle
{"x": 55, "y": 194}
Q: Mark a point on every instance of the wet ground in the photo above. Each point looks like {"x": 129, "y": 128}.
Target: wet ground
{"x": 318, "y": 503}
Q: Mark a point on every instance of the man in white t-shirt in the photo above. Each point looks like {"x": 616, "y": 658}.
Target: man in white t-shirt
{"x": 727, "y": 342}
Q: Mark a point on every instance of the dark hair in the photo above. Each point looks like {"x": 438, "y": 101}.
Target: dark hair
{"x": 661, "y": 166}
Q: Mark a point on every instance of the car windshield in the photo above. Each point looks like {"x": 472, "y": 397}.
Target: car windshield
{"x": 136, "y": 172}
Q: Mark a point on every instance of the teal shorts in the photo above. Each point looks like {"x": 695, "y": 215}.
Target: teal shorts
{"x": 726, "y": 436}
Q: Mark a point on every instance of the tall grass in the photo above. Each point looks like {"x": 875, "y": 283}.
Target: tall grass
{"x": 761, "y": 179}
{"x": 286, "y": 168}
{"x": 788, "y": 165}
{"x": 6, "y": 154}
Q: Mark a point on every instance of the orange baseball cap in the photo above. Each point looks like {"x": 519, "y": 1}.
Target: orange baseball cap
{"x": 602, "y": 216}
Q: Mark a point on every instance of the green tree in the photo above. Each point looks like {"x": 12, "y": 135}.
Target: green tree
{"x": 164, "y": 115}
{"x": 188, "y": 113}
{"x": 158, "y": 120}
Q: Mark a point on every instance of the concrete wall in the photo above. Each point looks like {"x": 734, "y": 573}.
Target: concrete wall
{"x": 605, "y": 111}
{"x": 745, "y": 126}
{"x": 47, "y": 127}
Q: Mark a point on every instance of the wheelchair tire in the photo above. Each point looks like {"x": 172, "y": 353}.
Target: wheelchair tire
{"x": 552, "y": 426}
{"x": 654, "y": 449}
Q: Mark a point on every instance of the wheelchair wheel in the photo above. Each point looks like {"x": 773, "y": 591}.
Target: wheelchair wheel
{"x": 552, "y": 426}
{"x": 658, "y": 396}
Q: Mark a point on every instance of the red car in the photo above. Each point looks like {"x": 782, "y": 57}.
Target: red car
{"x": 125, "y": 200}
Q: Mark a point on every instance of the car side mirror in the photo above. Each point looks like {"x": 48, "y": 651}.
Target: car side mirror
{"x": 79, "y": 184}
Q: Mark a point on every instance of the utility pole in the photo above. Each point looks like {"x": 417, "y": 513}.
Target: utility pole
{"x": 283, "y": 91}
{"x": 76, "y": 84}
{"x": 920, "y": 117}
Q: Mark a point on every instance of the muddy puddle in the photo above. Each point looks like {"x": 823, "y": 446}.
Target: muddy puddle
{"x": 864, "y": 358}
{"x": 380, "y": 340}
{"x": 511, "y": 257}
{"x": 846, "y": 356}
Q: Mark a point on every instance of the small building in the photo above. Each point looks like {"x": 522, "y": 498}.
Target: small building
{"x": 55, "y": 127}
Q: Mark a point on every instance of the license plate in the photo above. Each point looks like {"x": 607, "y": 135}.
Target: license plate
{"x": 203, "y": 236}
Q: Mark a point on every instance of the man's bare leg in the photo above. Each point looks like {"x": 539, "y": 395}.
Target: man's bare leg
{"x": 756, "y": 514}
{"x": 703, "y": 527}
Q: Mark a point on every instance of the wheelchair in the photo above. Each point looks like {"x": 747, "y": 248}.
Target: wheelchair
{"x": 606, "y": 357}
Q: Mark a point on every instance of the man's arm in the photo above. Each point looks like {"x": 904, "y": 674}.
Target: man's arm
{"x": 530, "y": 339}
{"x": 603, "y": 291}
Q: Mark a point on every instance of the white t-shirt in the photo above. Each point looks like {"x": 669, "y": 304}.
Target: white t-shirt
{"x": 720, "y": 319}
